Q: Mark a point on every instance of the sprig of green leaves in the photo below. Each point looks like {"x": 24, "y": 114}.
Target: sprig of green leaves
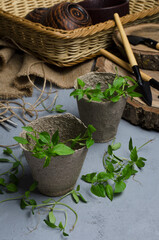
{"x": 27, "y": 202}
{"x": 116, "y": 171}
{"x": 46, "y": 146}
{"x": 9, "y": 179}
{"x": 56, "y": 108}
{"x": 120, "y": 87}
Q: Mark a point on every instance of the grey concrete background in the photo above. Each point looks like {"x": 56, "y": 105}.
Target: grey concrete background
{"x": 132, "y": 215}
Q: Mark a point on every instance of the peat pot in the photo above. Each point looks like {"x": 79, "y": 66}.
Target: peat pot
{"x": 60, "y": 176}
{"x": 104, "y": 116}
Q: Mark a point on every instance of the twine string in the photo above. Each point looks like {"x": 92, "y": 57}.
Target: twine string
{"x": 7, "y": 105}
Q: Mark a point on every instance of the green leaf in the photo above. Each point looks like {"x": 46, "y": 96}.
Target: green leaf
{"x": 140, "y": 163}
{"x": 142, "y": 159}
{"x": 118, "y": 82}
{"x": 109, "y": 191}
{"x": 103, "y": 176}
{"x": 65, "y": 234}
{"x": 90, "y": 177}
{"x": 33, "y": 186}
{"x": 78, "y": 188}
{"x": 89, "y": 142}
{"x": 133, "y": 155}
{"x": 135, "y": 94}
{"x": 55, "y": 138}
{"x": 27, "y": 194}
{"x": 82, "y": 198}
{"x": 28, "y": 129}
{"x": 47, "y": 161}
{"x": 78, "y": 92}
{"x": 116, "y": 146}
{"x": 7, "y": 151}
{"x": 2, "y": 182}
{"x": 32, "y": 202}
{"x": 23, "y": 204}
{"x": 115, "y": 99}
{"x": 16, "y": 164}
{"x": 13, "y": 178}
{"x": 52, "y": 217}
{"x": 75, "y": 196}
{"x": 4, "y": 160}
{"x": 62, "y": 149}
{"x": 98, "y": 190}
{"x": 11, "y": 187}
{"x": 120, "y": 186}
{"x": 58, "y": 109}
{"x": 52, "y": 225}
{"x": 130, "y": 145}
{"x": 109, "y": 166}
{"x": 90, "y": 130}
{"x": 61, "y": 226}
{"x": 98, "y": 86}
{"x": 127, "y": 171}
{"x": 32, "y": 137}
{"x": 44, "y": 137}
{"x": 21, "y": 140}
{"x": 80, "y": 83}
{"x": 109, "y": 150}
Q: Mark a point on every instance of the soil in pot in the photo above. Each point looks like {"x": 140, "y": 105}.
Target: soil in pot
{"x": 104, "y": 116}
{"x": 63, "y": 171}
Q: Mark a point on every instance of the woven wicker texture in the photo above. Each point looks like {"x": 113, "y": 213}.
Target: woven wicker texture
{"x": 60, "y": 47}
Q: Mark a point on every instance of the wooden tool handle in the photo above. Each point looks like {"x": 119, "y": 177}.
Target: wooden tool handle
{"x": 126, "y": 43}
{"x": 122, "y": 63}
{"x": 157, "y": 46}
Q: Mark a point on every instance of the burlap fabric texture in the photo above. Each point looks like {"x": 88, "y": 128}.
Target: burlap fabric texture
{"x": 17, "y": 67}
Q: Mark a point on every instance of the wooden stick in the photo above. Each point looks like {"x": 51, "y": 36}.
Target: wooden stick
{"x": 126, "y": 43}
{"x": 123, "y": 64}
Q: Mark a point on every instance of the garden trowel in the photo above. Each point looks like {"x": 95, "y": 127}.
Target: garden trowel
{"x": 144, "y": 86}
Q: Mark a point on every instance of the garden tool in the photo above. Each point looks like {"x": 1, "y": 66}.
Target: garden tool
{"x": 144, "y": 86}
{"x": 154, "y": 83}
{"x": 135, "y": 40}
{"x": 5, "y": 122}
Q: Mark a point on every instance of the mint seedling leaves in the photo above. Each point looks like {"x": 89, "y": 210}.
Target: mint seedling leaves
{"x": 98, "y": 190}
{"x": 46, "y": 146}
{"x": 119, "y": 88}
{"x": 11, "y": 180}
{"x": 21, "y": 140}
{"x": 117, "y": 170}
{"x": 55, "y": 138}
{"x": 62, "y": 149}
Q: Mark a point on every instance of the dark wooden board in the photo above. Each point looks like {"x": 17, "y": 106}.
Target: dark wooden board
{"x": 147, "y": 58}
{"x": 136, "y": 111}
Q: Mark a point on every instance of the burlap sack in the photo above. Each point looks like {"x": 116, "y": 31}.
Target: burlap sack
{"x": 17, "y": 67}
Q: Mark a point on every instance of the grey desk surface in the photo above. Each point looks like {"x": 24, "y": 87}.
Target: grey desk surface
{"x": 132, "y": 215}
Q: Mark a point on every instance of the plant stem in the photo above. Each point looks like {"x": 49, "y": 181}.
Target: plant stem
{"x": 63, "y": 204}
{"x": 6, "y": 172}
{"x": 72, "y": 211}
{"x": 66, "y": 216}
{"x": 145, "y": 144}
{"x": 64, "y": 196}
{"x": 10, "y": 199}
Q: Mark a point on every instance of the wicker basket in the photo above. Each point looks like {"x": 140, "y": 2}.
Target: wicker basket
{"x": 60, "y": 47}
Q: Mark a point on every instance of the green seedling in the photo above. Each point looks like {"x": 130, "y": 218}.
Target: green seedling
{"x": 119, "y": 88}
{"x": 46, "y": 146}
{"x": 52, "y": 206}
{"x": 116, "y": 172}
{"x": 9, "y": 179}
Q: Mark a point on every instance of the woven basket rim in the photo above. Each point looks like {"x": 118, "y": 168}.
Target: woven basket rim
{"x": 59, "y": 33}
